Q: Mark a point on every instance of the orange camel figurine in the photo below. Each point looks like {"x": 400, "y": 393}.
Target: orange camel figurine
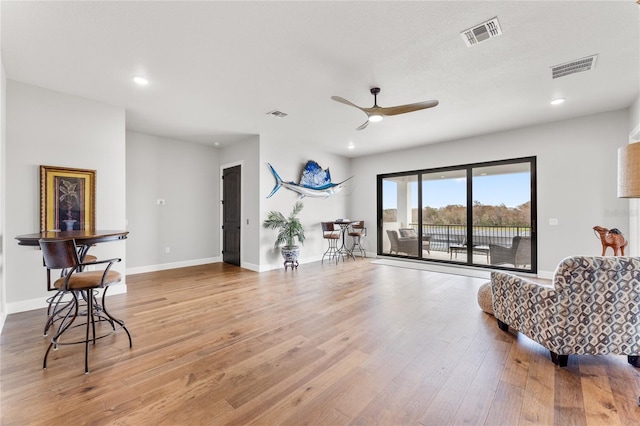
{"x": 611, "y": 238}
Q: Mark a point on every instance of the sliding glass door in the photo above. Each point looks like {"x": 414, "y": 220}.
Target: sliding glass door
{"x": 444, "y": 214}
{"x": 400, "y": 234}
{"x": 502, "y": 214}
{"x": 476, "y": 214}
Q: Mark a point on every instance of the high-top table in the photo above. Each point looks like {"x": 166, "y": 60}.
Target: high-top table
{"x": 84, "y": 239}
{"x": 343, "y": 250}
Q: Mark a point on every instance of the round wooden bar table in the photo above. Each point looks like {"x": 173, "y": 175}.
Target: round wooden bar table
{"x": 84, "y": 238}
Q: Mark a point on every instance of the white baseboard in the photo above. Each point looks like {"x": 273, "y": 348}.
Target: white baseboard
{"x": 280, "y": 265}
{"x": 174, "y": 265}
{"x": 250, "y": 266}
{"x": 306, "y": 259}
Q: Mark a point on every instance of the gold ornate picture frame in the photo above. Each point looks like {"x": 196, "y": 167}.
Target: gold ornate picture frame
{"x": 67, "y": 199}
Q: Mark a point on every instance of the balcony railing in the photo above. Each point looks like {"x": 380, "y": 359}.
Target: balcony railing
{"x": 444, "y": 236}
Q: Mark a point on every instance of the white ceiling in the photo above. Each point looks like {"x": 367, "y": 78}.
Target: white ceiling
{"x": 215, "y": 68}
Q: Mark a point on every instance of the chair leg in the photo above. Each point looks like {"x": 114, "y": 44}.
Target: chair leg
{"x": 112, "y": 318}
{"x": 502, "y": 326}
{"x": 332, "y": 251}
{"x": 65, "y": 323}
{"x": 559, "y": 360}
{"x": 357, "y": 246}
{"x": 90, "y": 324}
{"x": 326, "y": 253}
{"x": 55, "y": 311}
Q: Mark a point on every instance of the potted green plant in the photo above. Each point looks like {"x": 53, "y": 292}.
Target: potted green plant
{"x": 289, "y": 230}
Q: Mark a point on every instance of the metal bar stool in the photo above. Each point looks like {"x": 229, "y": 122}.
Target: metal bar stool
{"x": 332, "y": 235}
{"x": 358, "y": 231}
{"x": 63, "y": 255}
{"x": 57, "y": 304}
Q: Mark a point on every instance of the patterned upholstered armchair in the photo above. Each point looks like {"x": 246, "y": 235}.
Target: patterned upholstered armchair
{"x": 592, "y": 308}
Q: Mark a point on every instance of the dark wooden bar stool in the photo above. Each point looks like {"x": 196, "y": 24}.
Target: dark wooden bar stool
{"x": 81, "y": 285}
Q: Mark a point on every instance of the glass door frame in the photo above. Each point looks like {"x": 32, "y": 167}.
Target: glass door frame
{"x": 469, "y": 210}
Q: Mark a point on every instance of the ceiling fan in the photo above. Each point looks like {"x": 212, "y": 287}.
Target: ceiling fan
{"x": 376, "y": 113}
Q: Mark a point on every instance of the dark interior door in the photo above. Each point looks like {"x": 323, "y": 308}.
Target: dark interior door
{"x": 231, "y": 215}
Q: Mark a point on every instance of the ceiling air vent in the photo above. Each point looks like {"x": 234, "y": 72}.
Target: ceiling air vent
{"x": 482, "y": 32}
{"x": 579, "y": 65}
{"x": 277, "y": 114}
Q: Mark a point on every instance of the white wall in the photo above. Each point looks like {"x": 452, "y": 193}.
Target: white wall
{"x": 634, "y": 119}
{"x": 246, "y": 154}
{"x": 289, "y": 160}
{"x": 577, "y": 169}
{"x": 185, "y": 176}
{"x": 3, "y": 234}
{"x": 45, "y": 127}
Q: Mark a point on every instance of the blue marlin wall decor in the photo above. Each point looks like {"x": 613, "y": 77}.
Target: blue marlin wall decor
{"x": 314, "y": 182}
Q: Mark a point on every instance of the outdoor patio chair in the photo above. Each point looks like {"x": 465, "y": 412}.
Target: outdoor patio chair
{"x": 519, "y": 254}
{"x": 408, "y": 243}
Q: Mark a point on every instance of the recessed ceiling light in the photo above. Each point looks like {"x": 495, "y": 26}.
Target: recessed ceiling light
{"x": 140, "y": 81}
{"x": 351, "y": 145}
{"x": 557, "y": 101}
{"x": 216, "y": 144}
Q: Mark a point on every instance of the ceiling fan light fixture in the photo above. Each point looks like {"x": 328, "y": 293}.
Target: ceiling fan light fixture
{"x": 376, "y": 113}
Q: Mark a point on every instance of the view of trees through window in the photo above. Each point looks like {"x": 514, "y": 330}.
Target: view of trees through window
{"x": 486, "y": 215}
{"x": 431, "y": 207}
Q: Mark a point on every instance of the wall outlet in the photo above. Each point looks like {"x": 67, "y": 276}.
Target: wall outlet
{"x": 160, "y": 202}
{"x": 553, "y": 221}
{"x": 167, "y": 249}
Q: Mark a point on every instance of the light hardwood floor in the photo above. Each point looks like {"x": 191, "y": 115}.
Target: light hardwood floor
{"x": 357, "y": 343}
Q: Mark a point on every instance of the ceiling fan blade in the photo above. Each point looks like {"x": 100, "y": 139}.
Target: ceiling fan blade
{"x": 346, "y": 102}
{"x": 363, "y": 125}
{"x": 376, "y": 112}
{"x": 402, "y": 109}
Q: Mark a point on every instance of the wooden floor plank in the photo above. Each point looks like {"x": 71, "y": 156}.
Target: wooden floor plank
{"x": 568, "y": 395}
{"x": 598, "y": 397}
{"x": 537, "y": 406}
{"x": 355, "y": 343}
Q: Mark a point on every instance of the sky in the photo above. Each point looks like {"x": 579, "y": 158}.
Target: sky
{"x": 509, "y": 189}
